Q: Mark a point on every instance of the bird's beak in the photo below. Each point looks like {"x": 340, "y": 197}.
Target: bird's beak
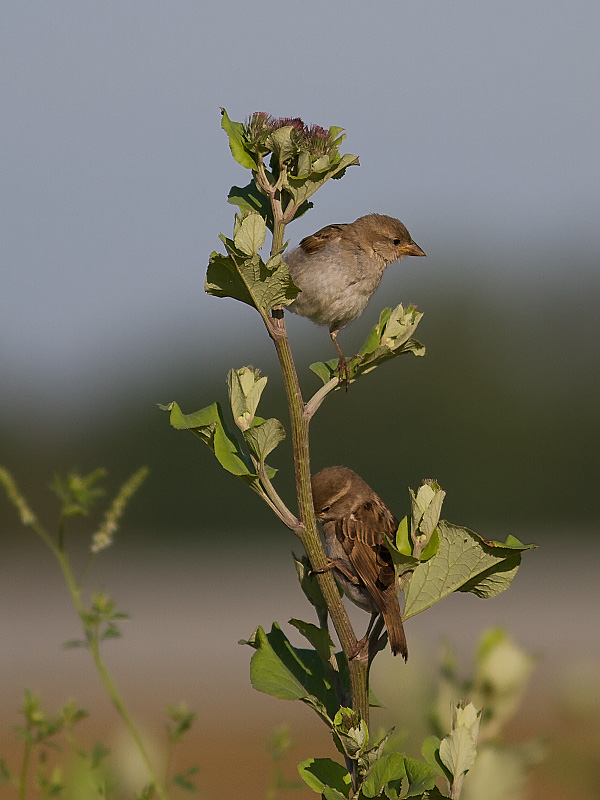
{"x": 412, "y": 249}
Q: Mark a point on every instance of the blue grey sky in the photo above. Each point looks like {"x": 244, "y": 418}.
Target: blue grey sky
{"x": 476, "y": 123}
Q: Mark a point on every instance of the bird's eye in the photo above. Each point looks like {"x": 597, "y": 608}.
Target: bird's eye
{"x": 396, "y": 242}
{"x": 325, "y": 508}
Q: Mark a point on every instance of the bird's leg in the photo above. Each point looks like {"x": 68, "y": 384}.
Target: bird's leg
{"x": 365, "y": 645}
{"x": 342, "y": 368}
{"x": 374, "y": 640}
{"x": 336, "y": 563}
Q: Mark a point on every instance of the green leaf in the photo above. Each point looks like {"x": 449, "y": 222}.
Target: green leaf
{"x": 229, "y": 454}
{"x": 319, "y": 638}
{"x": 350, "y": 732}
{"x": 320, "y": 773}
{"x": 269, "y": 674}
{"x": 262, "y": 439}
{"x": 183, "y": 779}
{"x": 403, "y": 541}
{"x": 464, "y": 562}
{"x": 386, "y": 770}
{"x": 458, "y": 751}
{"x": 281, "y": 143}
{"x": 209, "y": 426}
{"x": 302, "y": 188}
{"x": 237, "y": 141}
{"x": 391, "y": 337}
{"x": 332, "y": 794}
{"x": 309, "y": 583}
{"x": 250, "y": 198}
{"x": 245, "y": 390}
{"x": 249, "y": 279}
{"x": 426, "y": 506}
{"x": 279, "y": 669}
{"x": 251, "y": 234}
{"x": 224, "y": 280}
{"x": 420, "y": 776}
{"x": 5, "y": 775}
{"x": 431, "y": 753}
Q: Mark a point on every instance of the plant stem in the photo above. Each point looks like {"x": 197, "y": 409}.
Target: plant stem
{"x": 25, "y": 770}
{"x": 308, "y": 533}
{"x": 111, "y": 690}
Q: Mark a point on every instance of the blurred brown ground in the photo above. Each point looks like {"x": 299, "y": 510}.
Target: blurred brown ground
{"x": 190, "y": 605}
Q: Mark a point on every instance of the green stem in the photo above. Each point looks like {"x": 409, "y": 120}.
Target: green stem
{"x": 24, "y": 770}
{"x": 308, "y": 533}
{"x": 111, "y": 690}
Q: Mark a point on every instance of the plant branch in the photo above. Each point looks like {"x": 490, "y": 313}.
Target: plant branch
{"x": 275, "y": 501}
{"x": 308, "y": 533}
{"x": 315, "y": 401}
{"x": 94, "y": 647}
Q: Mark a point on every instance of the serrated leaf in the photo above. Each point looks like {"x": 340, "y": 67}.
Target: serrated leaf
{"x": 302, "y": 188}
{"x": 350, "y": 732}
{"x": 263, "y": 439}
{"x": 458, "y": 751}
{"x": 321, "y": 164}
{"x": 249, "y": 279}
{"x": 426, "y": 506}
{"x": 245, "y": 389}
{"x": 303, "y": 164}
{"x": 224, "y": 280}
{"x": 237, "y": 141}
{"x": 464, "y": 562}
{"x": 385, "y": 770}
{"x": 388, "y": 339}
{"x": 281, "y": 143}
{"x": 251, "y": 234}
{"x": 322, "y": 773}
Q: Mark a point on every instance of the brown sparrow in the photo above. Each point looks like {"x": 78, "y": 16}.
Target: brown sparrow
{"x": 339, "y": 268}
{"x": 356, "y": 525}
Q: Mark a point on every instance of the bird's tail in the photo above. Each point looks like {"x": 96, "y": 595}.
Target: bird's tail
{"x": 395, "y": 629}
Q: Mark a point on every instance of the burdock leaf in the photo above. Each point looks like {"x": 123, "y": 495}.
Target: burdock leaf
{"x": 250, "y": 198}
{"x": 318, "y": 637}
{"x": 302, "y": 188}
{"x": 249, "y": 279}
{"x": 281, "y": 143}
{"x": 291, "y": 673}
{"x": 458, "y": 751}
{"x": 237, "y": 141}
{"x": 224, "y": 280}
{"x": 391, "y": 337}
{"x": 263, "y": 438}
{"x": 323, "y": 773}
{"x": 420, "y": 776}
{"x": 245, "y": 389}
{"x": 251, "y": 233}
{"x": 463, "y": 562}
{"x": 387, "y": 769}
{"x": 209, "y": 426}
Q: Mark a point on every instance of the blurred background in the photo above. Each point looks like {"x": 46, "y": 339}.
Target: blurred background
{"x": 478, "y": 126}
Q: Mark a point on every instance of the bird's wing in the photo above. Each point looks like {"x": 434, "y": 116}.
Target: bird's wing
{"x": 363, "y": 536}
{"x": 317, "y": 241}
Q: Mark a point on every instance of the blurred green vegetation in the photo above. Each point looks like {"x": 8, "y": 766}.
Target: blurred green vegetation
{"x": 503, "y": 411}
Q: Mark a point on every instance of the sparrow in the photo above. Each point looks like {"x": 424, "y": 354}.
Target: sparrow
{"x": 339, "y": 267}
{"x": 356, "y": 526}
